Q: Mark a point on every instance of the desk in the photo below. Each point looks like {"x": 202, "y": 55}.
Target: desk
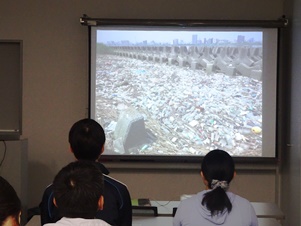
{"x": 165, "y": 208}
{"x": 152, "y": 221}
{"x": 267, "y": 210}
{"x": 167, "y": 221}
{"x": 262, "y": 209}
{"x": 268, "y": 222}
{"x": 160, "y": 221}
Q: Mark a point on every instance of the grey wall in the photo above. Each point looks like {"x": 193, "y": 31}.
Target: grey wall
{"x": 290, "y": 194}
{"x": 55, "y": 85}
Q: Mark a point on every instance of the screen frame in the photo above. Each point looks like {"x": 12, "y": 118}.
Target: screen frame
{"x": 185, "y": 23}
{"x": 12, "y": 77}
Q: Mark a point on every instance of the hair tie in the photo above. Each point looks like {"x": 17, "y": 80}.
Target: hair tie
{"x": 222, "y": 184}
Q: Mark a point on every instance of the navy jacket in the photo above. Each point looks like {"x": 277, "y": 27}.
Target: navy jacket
{"x": 117, "y": 210}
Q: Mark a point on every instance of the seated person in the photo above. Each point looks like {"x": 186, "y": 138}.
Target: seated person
{"x": 78, "y": 194}
{"x": 10, "y": 205}
{"x": 87, "y": 139}
{"x": 216, "y": 205}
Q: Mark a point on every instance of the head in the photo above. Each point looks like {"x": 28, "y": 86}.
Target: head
{"x": 217, "y": 165}
{"x": 217, "y": 172}
{"x": 87, "y": 139}
{"x": 10, "y": 205}
{"x": 78, "y": 190}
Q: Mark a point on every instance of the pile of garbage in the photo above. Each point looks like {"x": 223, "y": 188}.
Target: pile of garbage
{"x": 186, "y": 112}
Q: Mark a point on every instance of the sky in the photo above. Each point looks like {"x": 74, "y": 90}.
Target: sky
{"x": 137, "y": 36}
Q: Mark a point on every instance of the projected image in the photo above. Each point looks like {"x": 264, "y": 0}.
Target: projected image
{"x": 179, "y": 92}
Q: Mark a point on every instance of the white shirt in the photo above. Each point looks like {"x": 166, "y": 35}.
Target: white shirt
{"x": 78, "y": 222}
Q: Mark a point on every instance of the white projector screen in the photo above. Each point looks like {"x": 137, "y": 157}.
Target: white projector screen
{"x": 178, "y": 92}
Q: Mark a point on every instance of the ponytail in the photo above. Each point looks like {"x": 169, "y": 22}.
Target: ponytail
{"x": 217, "y": 200}
{"x": 218, "y": 170}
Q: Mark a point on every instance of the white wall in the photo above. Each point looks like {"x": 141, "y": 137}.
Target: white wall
{"x": 55, "y": 83}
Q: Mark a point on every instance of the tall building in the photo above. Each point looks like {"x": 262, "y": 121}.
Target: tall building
{"x": 194, "y": 39}
{"x": 240, "y": 39}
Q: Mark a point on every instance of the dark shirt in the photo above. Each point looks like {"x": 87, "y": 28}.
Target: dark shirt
{"x": 117, "y": 210}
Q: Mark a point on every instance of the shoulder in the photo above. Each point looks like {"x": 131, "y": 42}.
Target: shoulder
{"x": 103, "y": 169}
{"x": 113, "y": 182}
{"x": 243, "y": 207}
{"x": 239, "y": 202}
{"x": 49, "y": 188}
{"x": 115, "y": 189}
{"x": 189, "y": 201}
{"x": 236, "y": 198}
{"x": 188, "y": 208}
{"x": 48, "y": 191}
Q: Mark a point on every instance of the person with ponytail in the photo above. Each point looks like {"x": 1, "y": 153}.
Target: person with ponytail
{"x": 216, "y": 205}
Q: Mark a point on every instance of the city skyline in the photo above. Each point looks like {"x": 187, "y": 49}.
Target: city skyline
{"x": 168, "y": 37}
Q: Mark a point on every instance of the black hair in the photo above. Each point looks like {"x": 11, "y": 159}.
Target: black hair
{"x": 10, "y": 204}
{"x": 217, "y": 165}
{"x": 87, "y": 138}
{"x": 77, "y": 189}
